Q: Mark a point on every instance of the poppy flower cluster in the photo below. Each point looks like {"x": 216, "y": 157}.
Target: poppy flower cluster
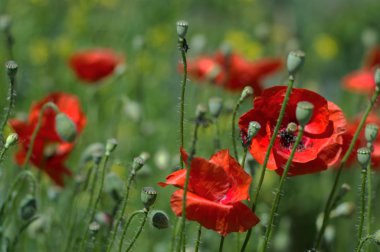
{"x": 321, "y": 145}
{"x": 49, "y": 150}
{"x": 91, "y": 66}
{"x": 215, "y": 191}
{"x": 233, "y": 72}
{"x": 362, "y": 81}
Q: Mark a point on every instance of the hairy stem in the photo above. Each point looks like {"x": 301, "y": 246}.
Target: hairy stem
{"x": 362, "y": 203}
{"x": 127, "y": 225}
{"x": 138, "y": 232}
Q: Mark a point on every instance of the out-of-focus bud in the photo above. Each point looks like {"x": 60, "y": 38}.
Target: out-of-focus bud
{"x": 247, "y": 92}
{"x": 111, "y": 146}
{"x": 11, "y": 140}
{"x": 159, "y": 219}
{"x": 148, "y": 196}
{"x": 364, "y": 156}
{"x": 182, "y": 27}
{"x": 346, "y": 209}
{"x": 97, "y": 158}
{"x": 304, "y": 112}
{"x": 138, "y": 163}
{"x": 377, "y": 77}
{"x": 253, "y": 128}
{"x": 371, "y": 131}
{"x": 295, "y": 61}
{"x": 215, "y": 106}
{"x": 65, "y": 127}
{"x": 5, "y": 22}
{"x": 12, "y": 68}
{"x": 28, "y": 207}
{"x": 200, "y": 112}
{"x": 90, "y": 150}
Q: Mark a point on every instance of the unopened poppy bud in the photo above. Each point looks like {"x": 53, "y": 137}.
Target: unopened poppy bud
{"x": 148, "y": 196}
{"x": 247, "y": 91}
{"x": 215, "y": 106}
{"x": 12, "y": 68}
{"x": 304, "y": 112}
{"x": 11, "y": 140}
{"x": 200, "y": 112}
{"x": 377, "y": 77}
{"x": 253, "y": 128}
{"x": 159, "y": 219}
{"x": 182, "y": 27}
{"x": 295, "y": 61}
{"x": 111, "y": 146}
{"x": 65, "y": 127}
{"x": 291, "y": 127}
{"x": 364, "y": 156}
{"x": 28, "y": 207}
{"x": 371, "y": 131}
{"x": 138, "y": 163}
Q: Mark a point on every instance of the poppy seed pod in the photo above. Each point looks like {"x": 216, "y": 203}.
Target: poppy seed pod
{"x": 11, "y": 140}
{"x": 182, "y": 27}
{"x": 148, "y": 196}
{"x": 253, "y": 128}
{"x": 159, "y": 219}
{"x": 247, "y": 91}
{"x": 371, "y": 131}
{"x": 111, "y": 145}
{"x": 138, "y": 163}
{"x": 304, "y": 112}
{"x": 28, "y": 207}
{"x": 215, "y": 105}
{"x": 12, "y": 68}
{"x": 65, "y": 127}
{"x": 364, "y": 156}
{"x": 377, "y": 77}
{"x": 295, "y": 61}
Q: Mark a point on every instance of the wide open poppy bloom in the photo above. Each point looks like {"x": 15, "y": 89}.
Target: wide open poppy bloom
{"x": 233, "y": 72}
{"x": 216, "y": 187}
{"x": 362, "y": 80}
{"x": 321, "y": 144}
{"x": 94, "y": 65}
{"x": 49, "y": 151}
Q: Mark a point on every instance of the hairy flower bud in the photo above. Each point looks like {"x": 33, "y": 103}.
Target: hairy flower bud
{"x": 12, "y": 139}
{"x": 148, "y": 196}
{"x": 371, "y": 131}
{"x": 65, "y": 127}
{"x": 253, "y": 128}
{"x": 138, "y": 163}
{"x": 295, "y": 61}
{"x": 247, "y": 91}
{"x": 304, "y": 112}
{"x": 182, "y": 27}
{"x": 159, "y": 219}
{"x": 364, "y": 156}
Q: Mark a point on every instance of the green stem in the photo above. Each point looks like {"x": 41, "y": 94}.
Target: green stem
{"x": 138, "y": 232}
{"x": 279, "y": 192}
{"x": 198, "y": 241}
{"x": 267, "y": 154}
{"x": 369, "y": 198}
{"x": 233, "y": 135}
{"x": 217, "y": 135}
{"x": 221, "y": 243}
{"x": 2, "y": 154}
{"x": 362, "y": 242}
{"x": 244, "y": 158}
{"x": 37, "y": 129}
{"x": 183, "y": 91}
{"x": 328, "y": 206}
{"x": 8, "y": 111}
{"x": 127, "y": 225}
{"x": 362, "y": 203}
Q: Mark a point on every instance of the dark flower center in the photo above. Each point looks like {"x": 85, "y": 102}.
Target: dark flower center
{"x": 288, "y": 137}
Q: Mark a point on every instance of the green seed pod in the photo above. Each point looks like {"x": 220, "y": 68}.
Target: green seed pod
{"x": 295, "y": 61}
{"x": 159, "y": 219}
{"x": 111, "y": 145}
{"x": 65, "y": 127}
{"x": 371, "y": 131}
{"x": 377, "y": 77}
{"x": 291, "y": 127}
{"x": 364, "y": 156}
{"x": 12, "y": 68}
{"x": 253, "y": 128}
{"x": 304, "y": 112}
{"x": 215, "y": 106}
{"x": 182, "y": 27}
{"x": 28, "y": 207}
{"x": 11, "y": 140}
{"x": 148, "y": 196}
{"x": 247, "y": 91}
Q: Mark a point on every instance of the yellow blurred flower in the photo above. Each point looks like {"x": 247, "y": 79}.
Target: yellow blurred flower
{"x": 325, "y": 46}
{"x": 39, "y": 51}
{"x": 159, "y": 36}
{"x": 243, "y": 44}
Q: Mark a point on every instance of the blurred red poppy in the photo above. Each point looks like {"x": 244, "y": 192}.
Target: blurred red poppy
{"x": 216, "y": 187}
{"x": 362, "y": 80}
{"x": 94, "y": 65}
{"x": 233, "y": 72}
{"x": 49, "y": 151}
{"x": 321, "y": 144}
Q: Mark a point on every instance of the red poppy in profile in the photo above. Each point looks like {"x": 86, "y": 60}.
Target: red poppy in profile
{"x": 94, "y": 65}
{"x": 321, "y": 144}
{"x": 49, "y": 150}
{"x": 362, "y": 80}
{"x": 216, "y": 187}
{"x": 233, "y": 72}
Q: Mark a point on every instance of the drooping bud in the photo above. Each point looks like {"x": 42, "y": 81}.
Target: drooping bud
{"x": 11, "y": 140}
{"x": 247, "y": 91}
{"x": 304, "y": 112}
{"x": 215, "y": 106}
{"x": 182, "y": 27}
{"x": 65, "y": 127}
{"x": 371, "y": 131}
{"x": 159, "y": 219}
{"x": 148, "y": 196}
{"x": 377, "y": 77}
{"x": 12, "y": 68}
{"x": 364, "y": 156}
{"x": 111, "y": 146}
{"x": 28, "y": 207}
{"x": 253, "y": 128}
{"x": 295, "y": 61}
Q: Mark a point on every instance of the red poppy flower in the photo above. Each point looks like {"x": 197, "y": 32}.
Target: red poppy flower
{"x": 93, "y": 65}
{"x": 362, "y": 81}
{"x": 233, "y": 72}
{"x": 49, "y": 151}
{"x": 216, "y": 187}
{"x": 321, "y": 144}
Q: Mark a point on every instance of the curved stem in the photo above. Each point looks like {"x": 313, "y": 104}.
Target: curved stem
{"x": 11, "y": 98}
{"x": 221, "y": 243}
{"x": 362, "y": 203}
{"x": 127, "y": 225}
{"x": 181, "y": 43}
{"x": 138, "y": 232}
{"x": 279, "y": 191}
{"x": 198, "y": 241}
{"x": 328, "y": 206}
{"x": 362, "y": 242}
{"x": 267, "y": 154}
